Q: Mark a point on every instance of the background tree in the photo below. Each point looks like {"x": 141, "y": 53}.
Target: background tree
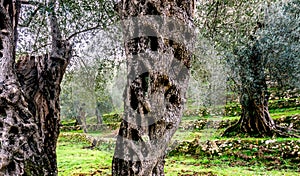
{"x": 158, "y": 58}
{"x": 234, "y": 28}
{"x": 279, "y": 40}
{"x": 92, "y": 78}
{"x": 89, "y": 84}
{"x": 207, "y": 88}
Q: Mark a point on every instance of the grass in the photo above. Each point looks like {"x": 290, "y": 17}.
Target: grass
{"x": 74, "y": 160}
{"x": 275, "y": 113}
{"x": 278, "y": 113}
{"x": 177, "y": 165}
{"x": 226, "y": 171}
{"x": 185, "y": 135}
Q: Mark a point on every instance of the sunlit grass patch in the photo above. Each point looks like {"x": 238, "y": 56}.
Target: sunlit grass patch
{"x": 73, "y": 159}
{"x": 184, "y": 165}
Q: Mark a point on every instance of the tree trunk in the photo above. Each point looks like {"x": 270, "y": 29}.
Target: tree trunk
{"x": 157, "y": 44}
{"x": 255, "y": 119}
{"x": 81, "y": 117}
{"x": 29, "y": 103}
{"x": 98, "y": 114}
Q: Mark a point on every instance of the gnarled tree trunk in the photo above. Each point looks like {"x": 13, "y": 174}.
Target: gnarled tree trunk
{"x": 29, "y": 101}
{"x": 255, "y": 119}
{"x": 157, "y": 38}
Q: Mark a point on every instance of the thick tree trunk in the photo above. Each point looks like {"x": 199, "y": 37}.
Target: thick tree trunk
{"x": 158, "y": 60}
{"x": 29, "y": 104}
{"x": 40, "y": 79}
{"x": 255, "y": 119}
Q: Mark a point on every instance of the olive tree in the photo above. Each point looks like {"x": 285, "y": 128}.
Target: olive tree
{"x": 29, "y": 98}
{"x": 235, "y": 27}
{"x": 279, "y": 40}
{"x": 30, "y": 85}
{"x": 158, "y": 44}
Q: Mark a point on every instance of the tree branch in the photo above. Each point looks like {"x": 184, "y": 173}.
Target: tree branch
{"x": 31, "y": 17}
{"x": 43, "y": 46}
{"x": 98, "y": 26}
{"x": 4, "y": 18}
{"x": 84, "y": 30}
{"x": 33, "y": 3}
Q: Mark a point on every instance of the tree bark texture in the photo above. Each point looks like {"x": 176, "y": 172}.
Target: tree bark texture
{"x": 29, "y": 104}
{"x": 255, "y": 119}
{"x": 157, "y": 36}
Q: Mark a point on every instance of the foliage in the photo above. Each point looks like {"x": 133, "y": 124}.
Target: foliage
{"x": 112, "y": 117}
{"x": 88, "y": 88}
{"x": 279, "y": 40}
{"x": 229, "y": 25}
{"x": 93, "y": 76}
{"x": 206, "y": 86}
{"x": 78, "y": 22}
{"x": 233, "y": 26}
{"x": 67, "y": 105}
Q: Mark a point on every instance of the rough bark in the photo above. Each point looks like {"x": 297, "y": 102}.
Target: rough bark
{"x": 157, "y": 81}
{"x": 29, "y": 103}
{"x": 255, "y": 118}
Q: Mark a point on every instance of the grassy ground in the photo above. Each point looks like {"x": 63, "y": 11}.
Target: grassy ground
{"x": 187, "y": 165}
{"x": 275, "y": 113}
{"x": 75, "y": 159}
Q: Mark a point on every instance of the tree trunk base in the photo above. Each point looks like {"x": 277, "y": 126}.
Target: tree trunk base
{"x": 276, "y": 131}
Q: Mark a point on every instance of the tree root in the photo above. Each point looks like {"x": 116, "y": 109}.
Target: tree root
{"x": 233, "y": 130}
{"x": 277, "y": 131}
{"x": 286, "y": 132}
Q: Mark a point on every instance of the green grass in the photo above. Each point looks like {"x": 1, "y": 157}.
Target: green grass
{"x": 260, "y": 139}
{"x": 295, "y": 109}
{"x": 278, "y": 113}
{"x": 219, "y": 166}
{"x": 184, "y": 135}
{"x": 73, "y": 159}
{"x": 275, "y": 113}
